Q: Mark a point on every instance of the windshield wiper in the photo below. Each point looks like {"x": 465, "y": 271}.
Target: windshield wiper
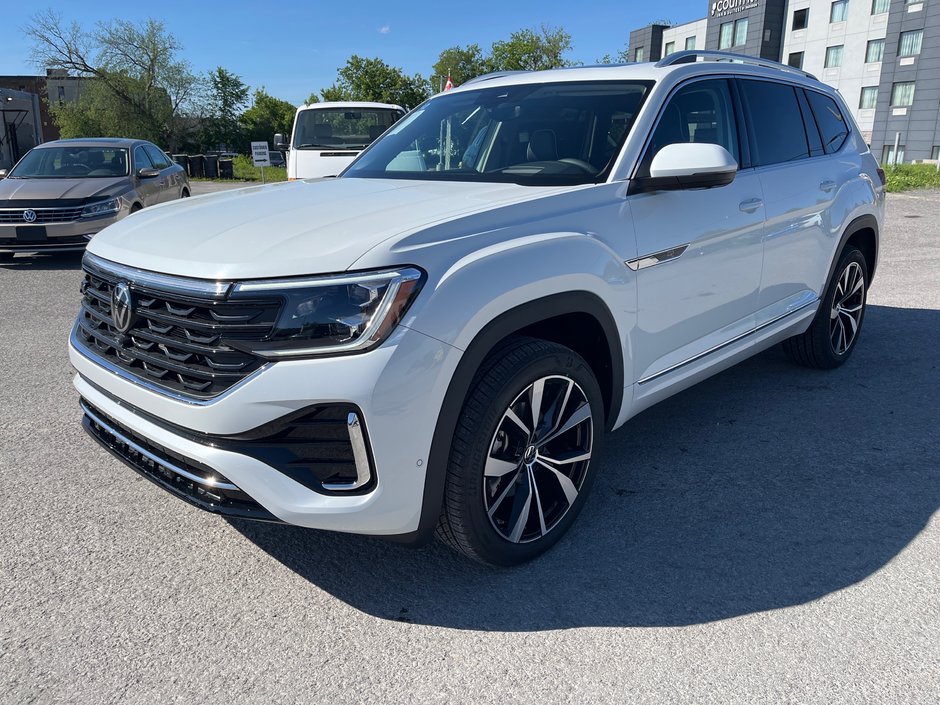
{"x": 320, "y": 146}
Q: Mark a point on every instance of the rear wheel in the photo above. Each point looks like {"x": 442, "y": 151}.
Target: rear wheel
{"x": 832, "y": 336}
{"x": 524, "y": 453}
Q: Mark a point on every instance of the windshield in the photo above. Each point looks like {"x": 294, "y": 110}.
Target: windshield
{"x": 342, "y": 128}
{"x": 554, "y": 133}
{"x": 72, "y": 162}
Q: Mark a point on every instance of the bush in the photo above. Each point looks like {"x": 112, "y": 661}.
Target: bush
{"x": 905, "y": 177}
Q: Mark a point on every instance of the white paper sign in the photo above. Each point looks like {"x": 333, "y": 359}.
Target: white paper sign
{"x": 260, "y": 154}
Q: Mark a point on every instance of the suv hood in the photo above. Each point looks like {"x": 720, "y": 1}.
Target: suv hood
{"x": 73, "y": 191}
{"x": 294, "y": 228}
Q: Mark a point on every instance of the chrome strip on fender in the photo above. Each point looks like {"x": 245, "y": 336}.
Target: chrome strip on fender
{"x": 657, "y": 257}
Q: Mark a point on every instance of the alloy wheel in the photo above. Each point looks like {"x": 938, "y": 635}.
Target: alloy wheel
{"x": 847, "y": 308}
{"x": 538, "y": 459}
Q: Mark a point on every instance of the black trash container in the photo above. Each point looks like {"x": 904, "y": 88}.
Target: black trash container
{"x": 197, "y": 166}
{"x": 226, "y": 169}
{"x": 182, "y": 160}
{"x": 212, "y": 166}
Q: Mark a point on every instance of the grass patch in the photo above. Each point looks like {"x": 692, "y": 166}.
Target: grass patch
{"x": 245, "y": 170}
{"x": 905, "y": 177}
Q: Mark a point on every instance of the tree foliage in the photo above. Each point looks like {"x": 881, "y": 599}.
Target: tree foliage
{"x": 460, "y": 63}
{"x": 226, "y": 95}
{"x": 531, "y": 50}
{"x": 266, "y": 117}
{"x": 138, "y": 77}
{"x": 374, "y": 80}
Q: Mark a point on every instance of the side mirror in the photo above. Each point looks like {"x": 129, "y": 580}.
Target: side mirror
{"x": 3, "y": 173}
{"x": 280, "y": 144}
{"x": 677, "y": 167}
{"x": 146, "y": 173}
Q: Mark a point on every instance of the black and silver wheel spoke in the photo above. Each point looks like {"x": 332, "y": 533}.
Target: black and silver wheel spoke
{"x": 847, "y": 308}
{"x": 538, "y": 459}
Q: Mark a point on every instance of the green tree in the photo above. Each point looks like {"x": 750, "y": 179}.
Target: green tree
{"x": 460, "y": 63}
{"x": 621, "y": 57}
{"x": 137, "y": 76}
{"x": 225, "y": 98}
{"x": 266, "y": 117}
{"x": 531, "y": 50}
{"x": 374, "y": 80}
{"x": 312, "y": 98}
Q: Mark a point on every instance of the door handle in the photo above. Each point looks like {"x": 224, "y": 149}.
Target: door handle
{"x": 751, "y": 205}
{"x": 827, "y": 186}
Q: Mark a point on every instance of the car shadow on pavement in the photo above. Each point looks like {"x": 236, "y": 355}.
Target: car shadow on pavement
{"x": 53, "y": 261}
{"x": 766, "y": 486}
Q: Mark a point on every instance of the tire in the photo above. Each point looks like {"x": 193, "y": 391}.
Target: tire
{"x": 184, "y": 193}
{"x": 135, "y": 208}
{"x": 490, "y": 512}
{"x": 834, "y": 332}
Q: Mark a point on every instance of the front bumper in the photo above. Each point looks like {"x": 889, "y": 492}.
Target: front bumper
{"x": 398, "y": 387}
{"x": 53, "y": 237}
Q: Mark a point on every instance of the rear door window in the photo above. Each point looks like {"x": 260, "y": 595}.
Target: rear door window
{"x": 776, "y": 124}
{"x": 832, "y": 124}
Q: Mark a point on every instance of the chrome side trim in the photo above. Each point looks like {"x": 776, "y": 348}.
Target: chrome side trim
{"x": 361, "y": 457}
{"x": 154, "y": 280}
{"x": 82, "y": 350}
{"x": 718, "y": 347}
{"x": 147, "y": 454}
{"x": 657, "y": 257}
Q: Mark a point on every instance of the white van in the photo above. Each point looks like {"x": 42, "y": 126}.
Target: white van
{"x": 328, "y": 136}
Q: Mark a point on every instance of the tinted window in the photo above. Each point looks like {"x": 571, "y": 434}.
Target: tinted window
{"x": 832, "y": 126}
{"x": 700, "y": 112}
{"x": 141, "y": 160}
{"x": 776, "y": 123}
{"x": 157, "y": 157}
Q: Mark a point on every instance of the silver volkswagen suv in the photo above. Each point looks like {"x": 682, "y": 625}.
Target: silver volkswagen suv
{"x": 437, "y": 341}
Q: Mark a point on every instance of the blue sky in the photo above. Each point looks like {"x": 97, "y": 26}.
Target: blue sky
{"x": 297, "y": 48}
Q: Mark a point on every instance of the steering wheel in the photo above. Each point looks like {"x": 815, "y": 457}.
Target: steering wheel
{"x": 580, "y": 163}
{"x": 84, "y": 167}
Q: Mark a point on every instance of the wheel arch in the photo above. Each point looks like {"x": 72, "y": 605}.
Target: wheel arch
{"x": 863, "y": 233}
{"x": 575, "y": 319}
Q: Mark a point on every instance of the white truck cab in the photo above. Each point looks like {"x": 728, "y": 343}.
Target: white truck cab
{"x": 328, "y": 136}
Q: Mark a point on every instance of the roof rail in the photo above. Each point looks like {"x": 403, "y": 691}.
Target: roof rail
{"x": 693, "y": 55}
{"x": 491, "y": 76}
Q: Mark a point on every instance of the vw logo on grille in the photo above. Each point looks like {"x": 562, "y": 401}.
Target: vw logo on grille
{"x": 29, "y": 215}
{"x": 122, "y": 307}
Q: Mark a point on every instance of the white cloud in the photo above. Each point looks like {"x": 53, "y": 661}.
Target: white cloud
{"x": 384, "y": 29}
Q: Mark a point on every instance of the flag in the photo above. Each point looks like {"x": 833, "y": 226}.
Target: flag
{"x": 449, "y": 84}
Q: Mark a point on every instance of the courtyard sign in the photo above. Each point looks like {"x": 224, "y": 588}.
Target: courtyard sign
{"x": 721, "y": 8}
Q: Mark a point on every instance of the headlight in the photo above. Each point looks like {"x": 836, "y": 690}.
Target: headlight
{"x": 102, "y": 208}
{"x": 337, "y": 314}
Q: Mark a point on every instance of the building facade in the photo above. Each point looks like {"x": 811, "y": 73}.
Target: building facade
{"x": 882, "y": 55}
{"x": 20, "y": 128}
{"x": 53, "y": 88}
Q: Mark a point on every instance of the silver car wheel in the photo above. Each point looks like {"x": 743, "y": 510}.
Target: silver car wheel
{"x": 538, "y": 459}
{"x": 847, "y": 308}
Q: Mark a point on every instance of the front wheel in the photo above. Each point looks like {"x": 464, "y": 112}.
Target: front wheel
{"x": 832, "y": 335}
{"x": 524, "y": 453}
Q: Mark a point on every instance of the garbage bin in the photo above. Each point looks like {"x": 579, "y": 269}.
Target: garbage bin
{"x": 226, "y": 169}
{"x": 182, "y": 160}
{"x": 197, "y": 166}
{"x": 212, "y": 166}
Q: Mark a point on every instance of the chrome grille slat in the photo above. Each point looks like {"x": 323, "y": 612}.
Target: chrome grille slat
{"x": 43, "y": 215}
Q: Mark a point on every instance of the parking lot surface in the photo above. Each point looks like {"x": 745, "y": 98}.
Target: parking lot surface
{"x": 769, "y": 536}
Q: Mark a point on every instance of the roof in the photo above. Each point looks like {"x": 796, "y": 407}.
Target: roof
{"x": 349, "y": 104}
{"x": 96, "y": 142}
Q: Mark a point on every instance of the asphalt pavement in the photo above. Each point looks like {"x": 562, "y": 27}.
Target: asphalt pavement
{"x": 769, "y": 536}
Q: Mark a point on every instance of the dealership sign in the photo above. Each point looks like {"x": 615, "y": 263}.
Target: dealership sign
{"x": 721, "y": 8}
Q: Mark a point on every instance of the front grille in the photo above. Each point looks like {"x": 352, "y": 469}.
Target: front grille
{"x": 177, "y": 342}
{"x": 43, "y": 215}
{"x": 186, "y": 478}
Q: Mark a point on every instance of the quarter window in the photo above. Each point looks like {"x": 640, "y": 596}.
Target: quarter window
{"x": 839, "y": 11}
{"x": 869, "y": 98}
{"x": 830, "y": 120}
{"x": 800, "y": 19}
{"x": 834, "y": 57}
{"x": 910, "y": 43}
{"x": 875, "y": 51}
{"x": 776, "y": 122}
{"x": 902, "y": 94}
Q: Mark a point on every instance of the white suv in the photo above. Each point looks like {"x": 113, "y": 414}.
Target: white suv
{"x": 439, "y": 339}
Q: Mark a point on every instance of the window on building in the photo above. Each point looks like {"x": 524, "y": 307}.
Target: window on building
{"x": 902, "y": 94}
{"x": 910, "y": 43}
{"x": 669, "y": 48}
{"x": 725, "y": 35}
{"x": 61, "y": 93}
{"x": 839, "y": 11}
{"x": 796, "y": 60}
{"x": 875, "y": 51}
{"x": 869, "y": 98}
{"x": 639, "y": 54}
{"x": 834, "y": 57}
{"x": 831, "y": 122}
{"x": 800, "y": 19}
{"x": 689, "y": 43}
{"x": 779, "y": 134}
{"x": 889, "y": 157}
{"x": 740, "y": 32}
{"x": 879, "y": 7}
{"x": 935, "y": 152}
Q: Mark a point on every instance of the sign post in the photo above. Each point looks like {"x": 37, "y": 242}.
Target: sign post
{"x": 260, "y": 156}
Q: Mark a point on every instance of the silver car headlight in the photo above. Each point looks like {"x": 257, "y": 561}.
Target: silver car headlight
{"x": 331, "y": 315}
{"x": 93, "y": 210}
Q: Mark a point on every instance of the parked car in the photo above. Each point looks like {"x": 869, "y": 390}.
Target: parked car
{"x": 438, "y": 340}
{"x": 61, "y": 193}
{"x": 277, "y": 159}
{"x": 328, "y": 136}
